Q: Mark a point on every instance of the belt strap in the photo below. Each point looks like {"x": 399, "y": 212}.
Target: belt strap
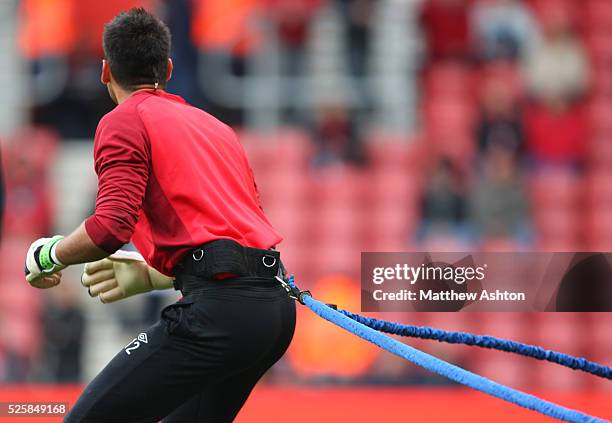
{"x": 190, "y": 284}
{"x": 226, "y": 258}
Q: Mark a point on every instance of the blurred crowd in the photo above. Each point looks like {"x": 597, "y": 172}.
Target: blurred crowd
{"x": 511, "y": 152}
{"x": 506, "y": 86}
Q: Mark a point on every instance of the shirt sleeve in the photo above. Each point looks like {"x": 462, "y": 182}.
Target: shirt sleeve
{"x": 122, "y": 163}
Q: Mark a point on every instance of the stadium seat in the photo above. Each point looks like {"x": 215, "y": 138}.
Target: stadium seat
{"x": 443, "y": 114}
{"x": 395, "y": 154}
{"x": 599, "y": 47}
{"x": 601, "y": 79}
{"x": 599, "y": 188}
{"x": 557, "y": 226}
{"x": 293, "y": 148}
{"x": 458, "y": 146}
{"x": 339, "y": 223}
{"x": 555, "y": 187}
{"x": 449, "y": 79}
{"x": 502, "y": 72}
{"x": 599, "y": 229}
{"x": 598, "y": 15}
{"x": 600, "y": 154}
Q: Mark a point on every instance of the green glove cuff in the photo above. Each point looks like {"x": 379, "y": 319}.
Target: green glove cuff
{"x": 44, "y": 257}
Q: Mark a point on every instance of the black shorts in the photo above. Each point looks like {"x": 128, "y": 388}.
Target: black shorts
{"x": 199, "y": 363}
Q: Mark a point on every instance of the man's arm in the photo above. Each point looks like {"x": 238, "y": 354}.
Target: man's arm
{"x": 78, "y": 248}
{"x": 121, "y": 161}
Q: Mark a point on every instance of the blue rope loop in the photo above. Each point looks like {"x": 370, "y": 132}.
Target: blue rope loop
{"x": 483, "y": 341}
{"x": 442, "y": 367}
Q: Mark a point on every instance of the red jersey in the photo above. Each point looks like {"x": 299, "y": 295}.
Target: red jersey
{"x": 170, "y": 178}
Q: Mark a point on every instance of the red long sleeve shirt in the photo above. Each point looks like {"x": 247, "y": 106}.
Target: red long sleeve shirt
{"x": 172, "y": 177}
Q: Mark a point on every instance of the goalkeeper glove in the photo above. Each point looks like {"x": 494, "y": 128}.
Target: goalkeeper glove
{"x": 120, "y": 276}
{"x": 41, "y": 261}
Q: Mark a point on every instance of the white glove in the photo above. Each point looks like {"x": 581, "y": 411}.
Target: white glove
{"x": 41, "y": 264}
{"x": 122, "y": 275}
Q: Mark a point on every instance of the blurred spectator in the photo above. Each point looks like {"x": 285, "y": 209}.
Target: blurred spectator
{"x": 292, "y": 20}
{"x": 500, "y": 119}
{"x": 225, "y": 25}
{"x": 41, "y": 37}
{"x": 556, "y": 68}
{"x": 503, "y": 29}
{"x": 2, "y": 197}
{"x": 556, "y": 136}
{"x": 498, "y": 204}
{"x": 184, "y": 53}
{"x": 444, "y": 203}
{"x": 357, "y": 18}
{"x": 82, "y": 100}
{"x": 447, "y": 31}
{"x": 29, "y": 155}
{"x": 336, "y": 136}
{"x": 226, "y": 36}
{"x": 64, "y": 56}
{"x": 45, "y": 45}
{"x": 63, "y": 329}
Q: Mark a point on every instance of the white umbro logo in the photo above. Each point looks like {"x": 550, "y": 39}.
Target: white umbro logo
{"x": 142, "y": 337}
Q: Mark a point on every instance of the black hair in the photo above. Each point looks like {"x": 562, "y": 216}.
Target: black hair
{"x": 137, "y": 47}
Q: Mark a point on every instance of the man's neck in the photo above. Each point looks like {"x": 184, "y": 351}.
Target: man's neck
{"x": 123, "y": 95}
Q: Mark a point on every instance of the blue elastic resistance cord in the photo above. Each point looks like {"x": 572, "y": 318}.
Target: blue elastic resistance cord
{"x": 483, "y": 341}
{"x": 442, "y": 367}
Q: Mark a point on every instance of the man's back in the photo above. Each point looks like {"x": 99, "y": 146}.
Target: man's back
{"x": 196, "y": 187}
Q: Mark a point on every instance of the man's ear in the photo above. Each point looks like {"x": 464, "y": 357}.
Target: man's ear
{"x": 105, "y": 74}
{"x": 169, "y": 71}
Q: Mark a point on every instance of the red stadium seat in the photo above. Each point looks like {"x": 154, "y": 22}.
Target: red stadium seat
{"x": 599, "y": 47}
{"x": 600, "y": 155}
{"x": 458, "y": 146}
{"x": 340, "y": 185}
{"x": 449, "y": 79}
{"x": 502, "y": 244}
{"x": 391, "y": 189}
{"x": 506, "y": 73}
{"x": 449, "y": 114}
{"x": 601, "y": 79}
{"x": 598, "y": 15}
{"x": 281, "y": 188}
{"x": 339, "y": 224}
{"x": 557, "y": 226}
{"x": 558, "y": 188}
{"x": 293, "y": 148}
{"x": 599, "y": 189}
{"x": 397, "y": 154}
{"x": 599, "y": 229}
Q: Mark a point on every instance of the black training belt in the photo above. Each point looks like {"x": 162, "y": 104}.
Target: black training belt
{"x": 225, "y": 258}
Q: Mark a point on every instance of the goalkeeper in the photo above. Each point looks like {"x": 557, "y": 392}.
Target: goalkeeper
{"x": 176, "y": 182}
